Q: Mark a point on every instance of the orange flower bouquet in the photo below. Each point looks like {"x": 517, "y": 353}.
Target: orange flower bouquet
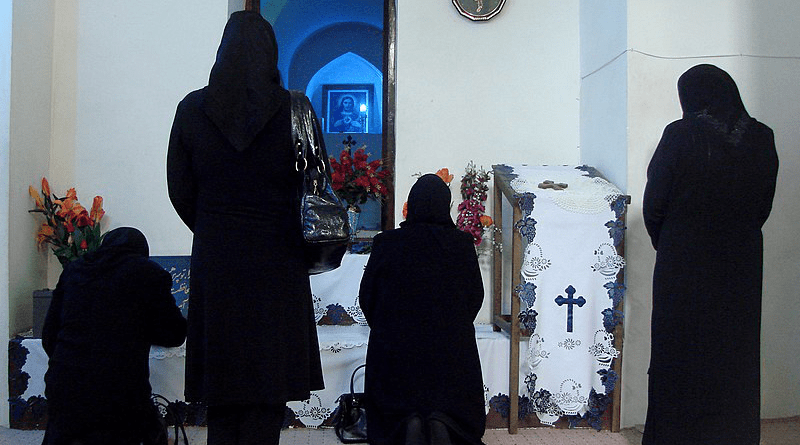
{"x": 354, "y": 179}
{"x": 68, "y": 227}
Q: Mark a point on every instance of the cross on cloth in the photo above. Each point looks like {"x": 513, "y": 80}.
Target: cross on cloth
{"x": 570, "y": 301}
{"x": 552, "y": 185}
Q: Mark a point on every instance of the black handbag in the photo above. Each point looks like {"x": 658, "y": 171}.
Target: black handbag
{"x": 323, "y": 214}
{"x": 350, "y": 417}
{"x": 163, "y": 418}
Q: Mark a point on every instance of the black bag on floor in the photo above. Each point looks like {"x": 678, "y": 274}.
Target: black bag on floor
{"x": 164, "y": 417}
{"x": 350, "y": 418}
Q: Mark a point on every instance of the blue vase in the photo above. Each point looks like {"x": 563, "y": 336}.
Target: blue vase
{"x": 353, "y": 213}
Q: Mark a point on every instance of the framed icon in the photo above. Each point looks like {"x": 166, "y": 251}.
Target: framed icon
{"x": 347, "y": 107}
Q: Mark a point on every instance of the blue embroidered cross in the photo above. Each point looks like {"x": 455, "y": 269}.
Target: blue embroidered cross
{"x": 570, "y": 301}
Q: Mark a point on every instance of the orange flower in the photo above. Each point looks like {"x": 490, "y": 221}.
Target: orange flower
{"x": 444, "y": 173}
{"x": 84, "y": 245}
{"x": 405, "y": 210}
{"x": 45, "y": 233}
{"x": 45, "y": 187}
{"x": 71, "y": 194}
{"x": 486, "y": 220}
{"x": 97, "y": 211}
{"x": 65, "y": 207}
{"x": 35, "y": 195}
{"x": 82, "y": 218}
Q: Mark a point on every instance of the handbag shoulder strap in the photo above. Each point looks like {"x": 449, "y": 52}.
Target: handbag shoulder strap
{"x": 353, "y": 376}
{"x": 310, "y": 153}
{"x": 300, "y": 139}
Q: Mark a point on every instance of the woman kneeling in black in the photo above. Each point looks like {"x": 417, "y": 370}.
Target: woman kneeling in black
{"x": 420, "y": 293}
{"x": 108, "y": 308}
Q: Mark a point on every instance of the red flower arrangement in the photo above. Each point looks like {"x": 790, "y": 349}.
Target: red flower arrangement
{"x": 471, "y": 212}
{"x": 354, "y": 179}
{"x": 68, "y": 227}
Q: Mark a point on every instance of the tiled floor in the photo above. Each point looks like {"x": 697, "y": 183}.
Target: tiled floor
{"x": 773, "y": 432}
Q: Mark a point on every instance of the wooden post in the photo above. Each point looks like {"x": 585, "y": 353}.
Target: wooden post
{"x": 619, "y": 334}
{"x": 513, "y": 374}
{"x": 497, "y": 256}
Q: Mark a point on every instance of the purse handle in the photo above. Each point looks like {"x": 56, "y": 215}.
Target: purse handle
{"x": 353, "y": 376}
{"x": 308, "y": 142}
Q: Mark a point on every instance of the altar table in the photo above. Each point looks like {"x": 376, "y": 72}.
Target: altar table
{"x": 343, "y": 339}
{"x": 561, "y": 268}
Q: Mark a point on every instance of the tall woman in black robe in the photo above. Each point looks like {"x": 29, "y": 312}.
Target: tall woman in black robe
{"x": 108, "y": 308}
{"x": 420, "y": 292}
{"x": 252, "y": 343}
{"x": 709, "y": 190}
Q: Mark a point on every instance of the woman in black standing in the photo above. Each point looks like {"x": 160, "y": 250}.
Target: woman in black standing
{"x": 108, "y": 308}
{"x": 420, "y": 292}
{"x": 252, "y": 343}
{"x": 709, "y": 190}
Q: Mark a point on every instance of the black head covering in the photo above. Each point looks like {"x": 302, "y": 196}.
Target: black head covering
{"x": 125, "y": 240}
{"x": 709, "y": 93}
{"x": 118, "y": 246}
{"x": 244, "y": 90}
{"x": 429, "y": 202}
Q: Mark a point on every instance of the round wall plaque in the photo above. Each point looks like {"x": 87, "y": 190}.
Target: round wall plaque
{"x": 479, "y": 9}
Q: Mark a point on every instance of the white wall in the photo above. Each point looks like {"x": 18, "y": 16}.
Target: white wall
{"x": 29, "y": 149}
{"x": 771, "y": 93}
{"x": 502, "y": 91}
{"x": 604, "y": 70}
{"x": 136, "y": 61}
{"x": 5, "y": 120}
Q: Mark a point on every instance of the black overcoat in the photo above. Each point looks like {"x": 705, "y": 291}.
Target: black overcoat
{"x": 232, "y": 179}
{"x": 106, "y": 311}
{"x": 709, "y": 191}
{"x": 420, "y": 292}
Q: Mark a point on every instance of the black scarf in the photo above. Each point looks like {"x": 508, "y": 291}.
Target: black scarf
{"x": 709, "y": 96}
{"x": 244, "y": 90}
{"x": 429, "y": 202}
{"x": 118, "y": 246}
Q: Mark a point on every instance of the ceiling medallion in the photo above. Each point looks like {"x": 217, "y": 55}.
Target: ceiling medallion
{"x": 479, "y": 9}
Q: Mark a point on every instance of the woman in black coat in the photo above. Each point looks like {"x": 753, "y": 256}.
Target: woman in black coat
{"x": 420, "y": 292}
{"x": 252, "y": 343}
{"x": 709, "y": 190}
{"x": 108, "y": 308}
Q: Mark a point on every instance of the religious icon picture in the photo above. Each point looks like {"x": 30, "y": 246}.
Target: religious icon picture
{"x": 347, "y": 108}
{"x": 479, "y": 9}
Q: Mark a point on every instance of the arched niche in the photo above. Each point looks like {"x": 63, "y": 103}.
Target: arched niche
{"x": 349, "y": 68}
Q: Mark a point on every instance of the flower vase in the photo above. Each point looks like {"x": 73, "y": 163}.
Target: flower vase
{"x": 353, "y": 213}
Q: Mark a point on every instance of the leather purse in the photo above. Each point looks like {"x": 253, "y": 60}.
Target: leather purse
{"x": 323, "y": 214}
{"x": 350, "y": 417}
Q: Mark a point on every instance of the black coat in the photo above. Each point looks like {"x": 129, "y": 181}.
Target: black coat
{"x": 232, "y": 179}
{"x": 420, "y": 292}
{"x": 708, "y": 193}
{"x": 102, "y": 320}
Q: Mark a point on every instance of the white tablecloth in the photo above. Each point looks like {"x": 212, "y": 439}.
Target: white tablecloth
{"x": 569, "y": 288}
{"x": 342, "y": 349}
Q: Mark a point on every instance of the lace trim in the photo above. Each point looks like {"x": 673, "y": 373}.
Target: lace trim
{"x": 334, "y": 338}
{"x": 587, "y": 195}
{"x": 161, "y": 353}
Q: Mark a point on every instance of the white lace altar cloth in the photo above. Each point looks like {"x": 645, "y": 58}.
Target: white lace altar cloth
{"x": 569, "y": 258}
{"x": 342, "y": 349}
{"x": 335, "y": 293}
